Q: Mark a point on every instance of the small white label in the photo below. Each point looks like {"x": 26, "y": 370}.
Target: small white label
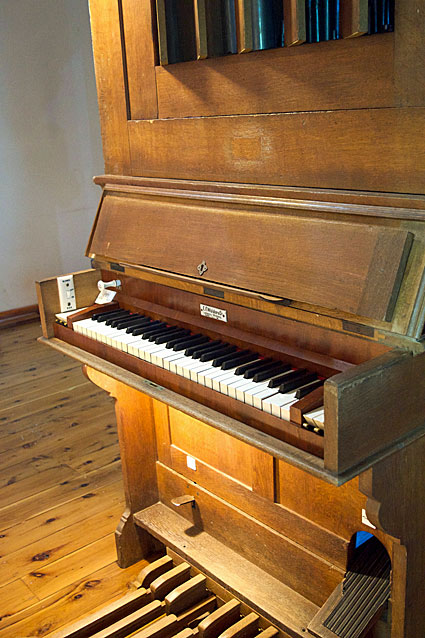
{"x": 213, "y": 313}
{"x": 366, "y": 521}
{"x": 191, "y": 463}
{"x": 105, "y": 296}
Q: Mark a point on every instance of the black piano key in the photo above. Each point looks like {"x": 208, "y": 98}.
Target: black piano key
{"x": 121, "y": 314}
{"x": 249, "y": 374}
{"x": 139, "y": 324}
{"x": 101, "y": 315}
{"x": 175, "y": 333}
{"x": 239, "y": 361}
{"x": 218, "y": 361}
{"x": 286, "y": 376}
{"x": 272, "y": 372}
{"x": 252, "y": 364}
{"x": 212, "y": 345}
{"x": 309, "y": 387}
{"x": 213, "y": 354}
{"x": 191, "y": 340}
{"x": 124, "y": 323}
{"x": 158, "y": 331}
{"x": 294, "y": 383}
{"x": 142, "y": 329}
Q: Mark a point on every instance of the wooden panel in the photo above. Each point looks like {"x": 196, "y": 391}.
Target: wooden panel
{"x": 376, "y": 205}
{"x": 392, "y": 487}
{"x": 162, "y": 32}
{"x": 297, "y": 522}
{"x": 294, "y": 17}
{"x": 136, "y": 432}
{"x": 338, "y": 509}
{"x": 409, "y": 52}
{"x": 369, "y": 407}
{"x": 354, "y": 18}
{"x": 301, "y": 262}
{"x": 140, "y": 59}
{"x": 270, "y": 150}
{"x": 274, "y": 81}
{"x": 16, "y": 316}
{"x": 290, "y": 563}
{"x": 211, "y": 446}
{"x": 111, "y": 83}
{"x": 85, "y": 283}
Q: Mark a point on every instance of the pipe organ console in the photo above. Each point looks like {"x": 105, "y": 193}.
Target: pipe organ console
{"x": 260, "y": 236}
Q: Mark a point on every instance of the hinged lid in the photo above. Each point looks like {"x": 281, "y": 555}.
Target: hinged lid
{"x": 336, "y": 264}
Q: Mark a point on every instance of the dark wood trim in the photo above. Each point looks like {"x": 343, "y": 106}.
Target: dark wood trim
{"x": 16, "y": 316}
{"x": 360, "y": 202}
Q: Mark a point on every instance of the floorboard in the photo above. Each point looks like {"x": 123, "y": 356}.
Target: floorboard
{"x": 61, "y": 491}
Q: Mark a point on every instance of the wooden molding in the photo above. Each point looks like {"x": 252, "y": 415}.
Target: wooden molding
{"x": 15, "y": 316}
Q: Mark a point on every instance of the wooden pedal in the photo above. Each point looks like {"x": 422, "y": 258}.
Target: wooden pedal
{"x": 186, "y": 595}
{"x": 112, "y": 613}
{"x": 165, "y": 583}
{"x": 246, "y": 627}
{"x": 220, "y": 620}
{"x": 131, "y": 623}
{"x": 152, "y": 571}
{"x": 168, "y": 604}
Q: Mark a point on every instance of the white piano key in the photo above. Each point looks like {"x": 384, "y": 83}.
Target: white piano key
{"x": 198, "y": 369}
{"x": 157, "y": 356}
{"x": 210, "y": 376}
{"x": 81, "y": 326}
{"x": 310, "y": 417}
{"x": 285, "y": 409}
{"x": 233, "y": 387}
{"x": 203, "y": 377}
{"x": 226, "y": 381}
{"x": 148, "y": 350}
{"x": 257, "y": 400}
{"x": 139, "y": 349}
{"x": 180, "y": 365}
{"x": 109, "y": 338}
{"x": 216, "y": 384}
{"x": 277, "y": 401}
{"x": 133, "y": 347}
{"x": 123, "y": 341}
{"x": 169, "y": 360}
{"x": 193, "y": 364}
{"x": 252, "y": 389}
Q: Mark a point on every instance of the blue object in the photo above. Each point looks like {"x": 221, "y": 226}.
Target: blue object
{"x": 362, "y": 537}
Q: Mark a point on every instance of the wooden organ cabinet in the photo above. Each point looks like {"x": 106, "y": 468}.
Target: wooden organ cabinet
{"x": 262, "y": 201}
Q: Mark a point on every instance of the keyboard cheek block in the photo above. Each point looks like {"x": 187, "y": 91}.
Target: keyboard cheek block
{"x": 281, "y": 429}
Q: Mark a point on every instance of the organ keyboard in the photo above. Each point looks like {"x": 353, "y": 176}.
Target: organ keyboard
{"x": 269, "y": 385}
{"x": 261, "y": 230}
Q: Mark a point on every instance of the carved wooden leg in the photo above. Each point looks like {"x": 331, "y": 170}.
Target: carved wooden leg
{"x": 136, "y": 433}
{"x": 399, "y": 510}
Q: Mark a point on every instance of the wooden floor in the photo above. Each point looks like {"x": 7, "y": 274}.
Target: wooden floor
{"x": 60, "y": 490}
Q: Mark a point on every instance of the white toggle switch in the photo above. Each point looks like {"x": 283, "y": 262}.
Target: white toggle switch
{"x": 66, "y": 293}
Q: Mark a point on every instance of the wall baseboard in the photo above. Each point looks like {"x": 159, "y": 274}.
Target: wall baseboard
{"x": 16, "y": 316}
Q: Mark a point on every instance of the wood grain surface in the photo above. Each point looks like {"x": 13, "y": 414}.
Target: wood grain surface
{"x": 304, "y": 149}
{"x": 350, "y": 267}
{"x": 61, "y": 492}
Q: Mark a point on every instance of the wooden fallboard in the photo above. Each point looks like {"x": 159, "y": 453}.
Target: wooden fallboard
{"x": 349, "y": 267}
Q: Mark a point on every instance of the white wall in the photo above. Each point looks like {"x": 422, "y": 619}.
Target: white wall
{"x": 49, "y": 143}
